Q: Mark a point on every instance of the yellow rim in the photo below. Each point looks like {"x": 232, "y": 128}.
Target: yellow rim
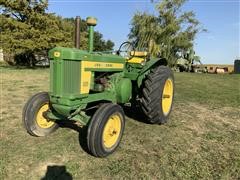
{"x": 111, "y": 131}
{"x": 41, "y": 121}
{"x": 167, "y": 96}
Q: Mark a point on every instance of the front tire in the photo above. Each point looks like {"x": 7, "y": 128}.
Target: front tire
{"x": 105, "y": 130}
{"x": 34, "y": 121}
{"x": 157, "y": 95}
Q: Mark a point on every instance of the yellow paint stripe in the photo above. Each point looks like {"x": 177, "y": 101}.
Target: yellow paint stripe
{"x": 99, "y": 65}
{"x": 85, "y": 76}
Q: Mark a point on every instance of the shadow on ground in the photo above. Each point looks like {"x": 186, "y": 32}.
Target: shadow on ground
{"x": 82, "y": 131}
{"x": 135, "y": 113}
{"x": 58, "y": 173}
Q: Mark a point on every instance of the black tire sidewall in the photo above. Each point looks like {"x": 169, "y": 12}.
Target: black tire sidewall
{"x": 96, "y": 127}
{"x": 30, "y": 113}
{"x": 152, "y": 101}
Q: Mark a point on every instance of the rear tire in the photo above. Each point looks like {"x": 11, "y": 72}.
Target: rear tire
{"x": 33, "y": 120}
{"x": 157, "y": 95}
{"x": 105, "y": 130}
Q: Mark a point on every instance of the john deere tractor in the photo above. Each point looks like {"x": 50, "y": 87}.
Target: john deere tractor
{"x": 91, "y": 88}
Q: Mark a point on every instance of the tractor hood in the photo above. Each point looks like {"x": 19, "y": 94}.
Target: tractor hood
{"x": 80, "y": 55}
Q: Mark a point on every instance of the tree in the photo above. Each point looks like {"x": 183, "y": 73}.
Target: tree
{"x": 167, "y": 34}
{"x": 99, "y": 43}
{"x": 28, "y": 30}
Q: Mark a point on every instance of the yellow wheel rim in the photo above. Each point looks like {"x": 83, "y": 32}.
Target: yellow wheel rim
{"x": 111, "y": 131}
{"x": 167, "y": 96}
{"x": 41, "y": 121}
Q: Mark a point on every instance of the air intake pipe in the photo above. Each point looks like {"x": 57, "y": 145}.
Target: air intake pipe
{"x": 91, "y": 22}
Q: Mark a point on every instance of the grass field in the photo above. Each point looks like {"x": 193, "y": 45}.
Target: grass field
{"x": 200, "y": 141}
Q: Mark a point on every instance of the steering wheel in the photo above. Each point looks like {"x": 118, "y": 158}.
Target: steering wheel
{"x": 125, "y": 50}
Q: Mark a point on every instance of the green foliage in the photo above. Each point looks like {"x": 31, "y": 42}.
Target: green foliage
{"x": 166, "y": 34}
{"x": 28, "y": 30}
{"x": 100, "y": 44}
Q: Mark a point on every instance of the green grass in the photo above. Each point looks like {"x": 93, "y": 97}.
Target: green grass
{"x": 212, "y": 89}
{"x": 200, "y": 141}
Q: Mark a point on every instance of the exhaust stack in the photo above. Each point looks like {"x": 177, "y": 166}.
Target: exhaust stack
{"x": 77, "y": 32}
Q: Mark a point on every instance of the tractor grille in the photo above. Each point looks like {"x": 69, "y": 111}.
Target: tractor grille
{"x": 64, "y": 77}
{"x": 71, "y": 78}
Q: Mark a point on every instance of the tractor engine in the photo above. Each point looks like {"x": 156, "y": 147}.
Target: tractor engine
{"x": 101, "y": 82}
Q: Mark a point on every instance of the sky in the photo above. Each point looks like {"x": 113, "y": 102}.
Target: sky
{"x": 220, "y": 45}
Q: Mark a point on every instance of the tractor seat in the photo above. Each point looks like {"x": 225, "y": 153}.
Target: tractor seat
{"x": 139, "y": 53}
{"x": 139, "y": 57}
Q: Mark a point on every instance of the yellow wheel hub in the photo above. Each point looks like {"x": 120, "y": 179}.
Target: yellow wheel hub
{"x": 41, "y": 121}
{"x": 167, "y": 96}
{"x": 111, "y": 131}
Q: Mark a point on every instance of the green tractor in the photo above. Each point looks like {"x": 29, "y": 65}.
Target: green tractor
{"x": 91, "y": 88}
{"x": 188, "y": 62}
